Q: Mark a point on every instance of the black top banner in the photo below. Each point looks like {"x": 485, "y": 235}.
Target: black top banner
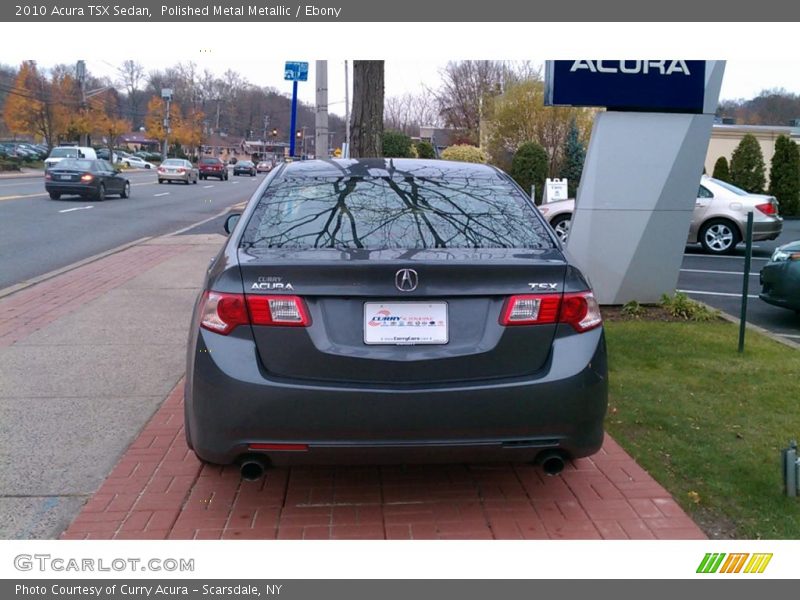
{"x": 405, "y": 11}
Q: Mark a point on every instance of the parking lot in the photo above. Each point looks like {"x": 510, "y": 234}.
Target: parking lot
{"x": 717, "y": 281}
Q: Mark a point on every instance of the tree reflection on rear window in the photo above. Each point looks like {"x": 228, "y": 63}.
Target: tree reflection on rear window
{"x": 394, "y": 213}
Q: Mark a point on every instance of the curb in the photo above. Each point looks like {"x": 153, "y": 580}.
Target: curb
{"x": 765, "y": 332}
{"x": 26, "y": 175}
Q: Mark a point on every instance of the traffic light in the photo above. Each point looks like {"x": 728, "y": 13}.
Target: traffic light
{"x": 299, "y": 133}
{"x": 274, "y": 133}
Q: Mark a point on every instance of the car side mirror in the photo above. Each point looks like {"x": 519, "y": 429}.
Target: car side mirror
{"x": 230, "y": 222}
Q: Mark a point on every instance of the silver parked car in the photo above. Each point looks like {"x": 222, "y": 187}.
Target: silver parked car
{"x": 719, "y": 221}
{"x": 177, "y": 169}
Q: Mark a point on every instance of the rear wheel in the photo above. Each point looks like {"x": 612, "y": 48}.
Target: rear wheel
{"x": 719, "y": 236}
{"x": 126, "y": 190}
{"x": 160, "y": 181}
{"x": 55, "y": 196}
{"x": 100, "y": 194}
{"x": 560, "y": 225}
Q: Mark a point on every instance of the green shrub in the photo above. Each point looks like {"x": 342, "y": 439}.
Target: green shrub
{"x": 680, "y": 306}
{"x": 396, "y": 144}
{"x": 721, "y": 170}
{"x": 633, "y": 309}
{"x": 425, "y": 149}
{"x": 784, "y": 175}
{"x": 529, "y": 167}
{"x": 747, "y": 165}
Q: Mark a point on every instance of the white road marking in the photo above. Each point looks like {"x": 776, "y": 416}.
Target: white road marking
{"x": 789, "y": 335}
{"x": 721, "y": 256}
{"x": 235, "y": 182}
{"x": 66, "y": 210}
{"x": 22, "y": 196}
{"x": 205, "y": 187}
{"x": 698, "y": 292}
{"x": 161, "y": 194}
{"x": 717, "y": 272}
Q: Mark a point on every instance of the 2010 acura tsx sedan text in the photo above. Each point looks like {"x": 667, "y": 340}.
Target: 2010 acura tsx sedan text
{"x": 393, "y": 311}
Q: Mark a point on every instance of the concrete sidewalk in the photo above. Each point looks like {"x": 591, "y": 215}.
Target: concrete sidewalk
{"x": 91, "y": 449}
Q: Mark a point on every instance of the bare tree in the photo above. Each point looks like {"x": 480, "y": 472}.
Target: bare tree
{"x": 469, "y": 86}
{"x": 131, "y": 78}
{"x": 409, "y": 112}
{"x": 366, "y": 122}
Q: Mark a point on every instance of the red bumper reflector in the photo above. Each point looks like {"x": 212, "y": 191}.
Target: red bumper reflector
{"x": 280, "y": 447}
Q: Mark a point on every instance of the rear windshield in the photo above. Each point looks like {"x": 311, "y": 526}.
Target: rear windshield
{"x": 74, "y": 163}
{"x": 390, "y": 213}
{"x": 209, "y": 161}
{"x": 173, "y": 162}
{"x": 730, "y": 187}
{"x": 64, "y": 153}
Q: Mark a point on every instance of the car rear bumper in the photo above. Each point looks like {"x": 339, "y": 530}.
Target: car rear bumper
{"x": 767, "y": 230}
{"x": 79, "y": 189}
{"x": 217, "y": 174}
{"x": 174, "y": 176}
{"x": 231, "y": 402}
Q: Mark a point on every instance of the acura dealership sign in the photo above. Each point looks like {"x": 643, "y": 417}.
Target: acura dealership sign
{"x": 634, "y": 85}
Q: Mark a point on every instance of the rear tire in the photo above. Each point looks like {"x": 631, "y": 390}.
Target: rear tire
{"x": 561, "y": 225}
{"x": 126, "y": 190}
{"x": 160, "y": 181}
{"x": 100, "y": 195}
{"x": 719, "y": 236}
{"x": 55, "y": 196}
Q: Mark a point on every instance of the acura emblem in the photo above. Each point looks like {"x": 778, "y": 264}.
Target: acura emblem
{"x": 406, "y": 280}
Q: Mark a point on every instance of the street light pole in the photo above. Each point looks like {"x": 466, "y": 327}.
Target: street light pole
{"x": 346, "y": 153}
{"x": 166, "y": 94}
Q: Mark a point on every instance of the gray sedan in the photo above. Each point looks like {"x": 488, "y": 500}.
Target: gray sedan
{"x": 385, "y": 311}
{"x": 177, "y": 169}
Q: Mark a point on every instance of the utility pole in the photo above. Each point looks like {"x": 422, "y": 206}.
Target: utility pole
{"x": 166, "y": 94}
{"x": 80, "y": 72}
{"x": 321, "y": 120}
{"x": 266, "y": 125}
{"x": 346, "y": 149}
{"x": 217, "y": 127}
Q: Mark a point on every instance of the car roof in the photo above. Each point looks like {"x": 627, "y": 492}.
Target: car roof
{"x": 389, "y": 167}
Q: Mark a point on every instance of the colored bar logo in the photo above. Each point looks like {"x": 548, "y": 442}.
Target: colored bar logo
{"x": 719, "y": 562}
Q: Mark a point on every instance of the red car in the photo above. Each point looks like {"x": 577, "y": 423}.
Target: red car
{"x": 213, "y": 167}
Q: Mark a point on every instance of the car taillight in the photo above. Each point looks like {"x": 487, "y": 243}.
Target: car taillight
{"x": 181, "y": 170}
{"x": 581, "y": 311}
{"x": 578, "y": 309}
{"x": 768, "y": 208}
{"x": 278, "y": 310}
{"x": 161, "y": 170}
{"x": 87, "y": 177}
{"x": 221, "y": 313}
{"x": 530, "y": 310}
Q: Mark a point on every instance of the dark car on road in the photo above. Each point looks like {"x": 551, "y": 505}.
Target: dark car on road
{"x": 245, "y": 167}
{"x": 213, "y": 167}
{"x": 93, "y": 179}
{"x": 393, "y": 311}
{"x": 780, "y": 278}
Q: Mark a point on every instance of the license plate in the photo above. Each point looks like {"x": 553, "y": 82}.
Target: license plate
{"x": 405, "y": 323}
{"x": 66, "y": 177}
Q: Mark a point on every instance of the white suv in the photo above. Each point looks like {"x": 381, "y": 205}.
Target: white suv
{"x": 61, "y": 152}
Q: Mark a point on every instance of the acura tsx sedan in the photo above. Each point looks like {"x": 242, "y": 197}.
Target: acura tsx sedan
{"x": 380, "y": 311}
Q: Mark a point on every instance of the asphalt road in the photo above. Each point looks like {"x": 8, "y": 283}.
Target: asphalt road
{"x": 39, "y": 235}
{"x": 717, "y": 281}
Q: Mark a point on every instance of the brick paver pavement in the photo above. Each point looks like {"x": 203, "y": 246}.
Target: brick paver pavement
{"x": 159, "y": 490}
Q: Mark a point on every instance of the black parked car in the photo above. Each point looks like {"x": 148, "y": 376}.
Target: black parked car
{"x": 245, "y": 167}
{"x": 93, "y": 179}
{"x": 381, "y": 310}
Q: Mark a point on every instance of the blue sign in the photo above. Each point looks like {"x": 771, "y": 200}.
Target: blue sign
{"x": 296, "y": 71}
{"x": 634, "y": 85}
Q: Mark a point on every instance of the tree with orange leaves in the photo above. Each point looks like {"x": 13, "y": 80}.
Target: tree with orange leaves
{"x": 30, "y": 107}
